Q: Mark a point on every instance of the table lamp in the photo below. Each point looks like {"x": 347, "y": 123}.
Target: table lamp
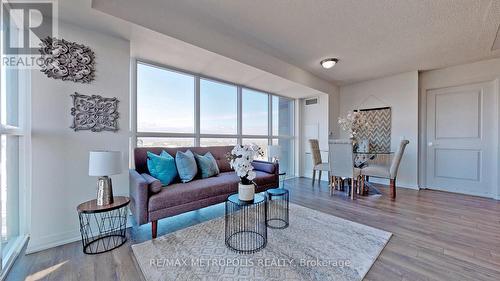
{"x": 274, "y": 152}
{"x": 103, "y": 164}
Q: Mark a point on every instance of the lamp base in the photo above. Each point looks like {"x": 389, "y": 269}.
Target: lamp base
{"x": 104, "y": 191}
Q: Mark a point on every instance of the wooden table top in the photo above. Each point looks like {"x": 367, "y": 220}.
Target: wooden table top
{"x": 92, "y": 207}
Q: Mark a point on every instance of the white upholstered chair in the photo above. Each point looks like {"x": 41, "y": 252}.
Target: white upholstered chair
{"x": 342, "y": 165}
{"x": 318, "y": 164}
{"x": 387, "y": 171}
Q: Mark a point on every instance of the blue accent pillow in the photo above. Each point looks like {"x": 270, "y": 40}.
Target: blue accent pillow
{"x": 162, "y": 167}
{"x": 186, "y": 165}
{"x": 207, "y": 165}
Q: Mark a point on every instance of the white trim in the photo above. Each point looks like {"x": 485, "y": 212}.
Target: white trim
{"x": 52, "y": 240}
{"x": 13, "y": 255}
{"x": 197, "y": 113}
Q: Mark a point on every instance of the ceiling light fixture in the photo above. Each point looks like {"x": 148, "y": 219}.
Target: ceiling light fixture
{"x": 329, "y": 62}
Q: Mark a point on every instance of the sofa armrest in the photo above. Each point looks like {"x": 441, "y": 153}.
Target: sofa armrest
{"x": 139, "y": 197}
{"x": 268, "y": 167}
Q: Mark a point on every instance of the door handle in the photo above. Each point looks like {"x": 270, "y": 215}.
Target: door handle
{"x": 429, "y": 144}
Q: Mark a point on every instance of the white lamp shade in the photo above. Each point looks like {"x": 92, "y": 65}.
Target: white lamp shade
{"x": 105, "y": 163}
{"x": 273, "y": 151}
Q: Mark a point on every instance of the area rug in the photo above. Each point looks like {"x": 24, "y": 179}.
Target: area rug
{"x": 316, "y": 246}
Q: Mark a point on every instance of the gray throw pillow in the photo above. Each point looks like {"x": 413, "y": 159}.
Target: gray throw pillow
{"x": 207, "y": 165}
{"x": 186, "y": 165}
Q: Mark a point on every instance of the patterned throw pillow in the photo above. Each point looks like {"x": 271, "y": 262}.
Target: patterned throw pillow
{"x": 186, "y": 165}
{"x": 162, "y": 167}
{"x": 207, "y": 165}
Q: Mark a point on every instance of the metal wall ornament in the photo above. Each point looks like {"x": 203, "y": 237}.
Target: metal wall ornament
{"x": 94, "y": 113}
{"x": 67, "y": 60}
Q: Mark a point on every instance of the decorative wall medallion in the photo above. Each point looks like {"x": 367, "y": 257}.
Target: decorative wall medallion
{"x": 67, "y": 60}
{"x": 94, "y": 113}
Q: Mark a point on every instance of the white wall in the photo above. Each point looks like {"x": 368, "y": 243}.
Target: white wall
{"x": 60, "y": 155}
{"x": 314, "y": 123}
{"x": 482, "y": 71}
{"x": 334, "y": 112}
{"x": 400, "y": 92}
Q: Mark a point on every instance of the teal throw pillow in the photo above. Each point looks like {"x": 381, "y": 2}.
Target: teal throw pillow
{"x": 207, "y": 165}
{"x": 162, "y": 167}
{"x": 186, "y": 165}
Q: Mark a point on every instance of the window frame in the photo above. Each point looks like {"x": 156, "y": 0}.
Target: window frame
{"x": 197, "y": 135}
{"x": 22, "y": 131}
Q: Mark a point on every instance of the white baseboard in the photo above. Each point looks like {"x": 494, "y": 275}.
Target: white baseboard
{"x": 51, "y": 241}
{"x": 57, "y": 239}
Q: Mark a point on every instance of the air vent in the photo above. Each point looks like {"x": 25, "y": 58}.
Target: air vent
{"x": 311, "y": 101}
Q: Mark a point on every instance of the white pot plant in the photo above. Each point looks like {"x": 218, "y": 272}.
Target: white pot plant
{"x": 353, "y": 123}
{"x": 240, "y": 159}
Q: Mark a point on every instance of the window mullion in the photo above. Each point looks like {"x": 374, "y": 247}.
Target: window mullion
{"x": 240, "y": 116}
{"x": 197, "y": 111}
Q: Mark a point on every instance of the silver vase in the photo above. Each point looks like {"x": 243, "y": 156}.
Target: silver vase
{"x": 104, "y": 191}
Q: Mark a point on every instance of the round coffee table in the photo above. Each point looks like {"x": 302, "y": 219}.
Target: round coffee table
{"x": 277, "y": 208}
{"x": 103, "y": 228}
{"x": 245, "y": 224}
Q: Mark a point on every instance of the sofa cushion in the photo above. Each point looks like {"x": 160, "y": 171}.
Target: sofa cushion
{"x": 181, "y": 193}
{"x": 162, "y": 167}
{"x": 219, "y": 153}
{"x": 206, "y": 165}
{"x": 186, "y": 165}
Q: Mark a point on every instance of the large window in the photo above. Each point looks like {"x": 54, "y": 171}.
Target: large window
{"x": 165, "y": 100}
{"x": 218, "y": 108}
{"x": 178, "y": 109}
{"x": 13, "y": 147}
{"x": 255, "y": 113}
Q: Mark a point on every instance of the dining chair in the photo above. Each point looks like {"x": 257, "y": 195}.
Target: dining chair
{"x": 318, "y": 164}
{"x": 342, "y": 165}
{"x": 387, "y": 171}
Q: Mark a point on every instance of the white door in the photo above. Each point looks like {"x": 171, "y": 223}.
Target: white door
{"x": 461, "y": 139}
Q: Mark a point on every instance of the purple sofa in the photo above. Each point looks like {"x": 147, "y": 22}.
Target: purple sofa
{"x": 179, "y": 197}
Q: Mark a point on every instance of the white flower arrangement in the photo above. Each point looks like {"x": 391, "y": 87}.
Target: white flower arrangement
{"x": 240, "y": 159}
{"x": 353, "y": 123}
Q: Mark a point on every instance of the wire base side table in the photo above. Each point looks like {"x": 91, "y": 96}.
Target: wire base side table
{"x": 245, "y": 224}
{"x": 103, "y": 228}
{"x": 277, "y": 208}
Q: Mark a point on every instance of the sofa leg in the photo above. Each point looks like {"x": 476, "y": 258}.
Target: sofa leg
{"x": 392, "y": 187}
{"x": 154, "y": 228}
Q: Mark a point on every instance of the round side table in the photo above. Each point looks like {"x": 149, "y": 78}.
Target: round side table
{"x": 103, "y": 228}
{"x": 282, "y": 176}
{"x": 245, "y": 224}
{"x": 277, "y": 208}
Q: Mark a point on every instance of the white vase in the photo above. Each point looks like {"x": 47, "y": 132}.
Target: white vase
{"x": 246, "y": 191}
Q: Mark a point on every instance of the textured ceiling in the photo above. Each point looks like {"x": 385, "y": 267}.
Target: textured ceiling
{"x": 372, "y": 38}
{"x": 151, "y": 46}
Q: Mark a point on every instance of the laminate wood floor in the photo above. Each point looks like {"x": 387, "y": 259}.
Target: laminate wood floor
{"x": 437, "y": 236}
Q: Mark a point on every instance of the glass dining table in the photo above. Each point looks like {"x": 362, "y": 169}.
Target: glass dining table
{"x": 362, "y": 158}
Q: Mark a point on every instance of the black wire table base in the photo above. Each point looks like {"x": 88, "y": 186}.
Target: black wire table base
{"x": 245, "y": 224}
{"x": 277, "y": 208}
{"x": 103, "y": 231}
